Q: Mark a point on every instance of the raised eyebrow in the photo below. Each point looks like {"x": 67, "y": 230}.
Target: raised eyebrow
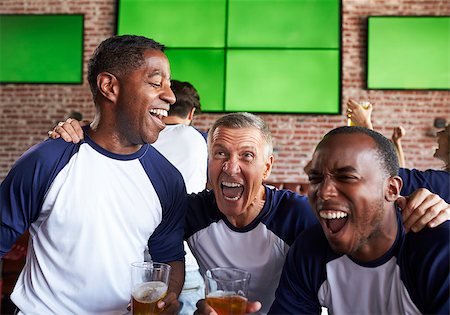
{"x": 248, "y": 148}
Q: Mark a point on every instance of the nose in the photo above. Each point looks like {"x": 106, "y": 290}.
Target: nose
{"x": 168, "y": 96}
{"x": 231, "y": 166}
{"x": 326, "y": 189}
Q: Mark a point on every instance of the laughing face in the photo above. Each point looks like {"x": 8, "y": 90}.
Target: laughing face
{"x": 238, "y": 165}
{"x": 144, "y": 99}
{"x": 352, "y": 197}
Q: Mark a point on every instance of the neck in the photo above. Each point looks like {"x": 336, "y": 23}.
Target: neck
{"x": 380, "y": 240}
{"x": 252, "y": 210}
{"x": 109, "y": 138}
{"x": 175, "y": 120}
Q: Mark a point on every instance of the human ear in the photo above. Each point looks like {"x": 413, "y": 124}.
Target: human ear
{"x": 191, "y": 114}
{"x": 394, "y": 186}
{"x": 108, "y": 85}
{"x": 268, "y": 166}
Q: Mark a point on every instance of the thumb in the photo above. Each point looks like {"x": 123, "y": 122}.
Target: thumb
{"x": 401, "y": 203}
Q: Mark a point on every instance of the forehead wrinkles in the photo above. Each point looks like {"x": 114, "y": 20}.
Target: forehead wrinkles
{"x": 242, "y": 137}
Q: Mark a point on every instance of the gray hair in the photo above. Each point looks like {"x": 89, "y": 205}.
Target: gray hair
{"x": 244, "y": 120}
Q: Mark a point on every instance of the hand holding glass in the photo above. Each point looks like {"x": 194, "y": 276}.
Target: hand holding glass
{"x": 226, "y": 290}
{"x": 149, "y": 283}
{"x": 364, "y": 105}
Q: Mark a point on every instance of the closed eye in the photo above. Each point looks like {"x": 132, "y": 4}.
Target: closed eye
{"x": 346, "y": 177}
{"x": 315, "y": 179}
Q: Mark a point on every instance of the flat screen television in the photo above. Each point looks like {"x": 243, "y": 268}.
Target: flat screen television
{"x": 44, "y": 48}
{"x": 260, "y": 56}
{"x": 408, "y": 52}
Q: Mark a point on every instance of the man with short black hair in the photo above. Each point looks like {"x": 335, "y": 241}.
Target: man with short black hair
{"x": 359, "y": 259}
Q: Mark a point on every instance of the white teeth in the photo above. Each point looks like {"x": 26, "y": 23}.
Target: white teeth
{"x": 229, "y": 184}
{"x": 332, "y": 215}
{"x": 232, "y": 198}
{"x": 159, "y": 112}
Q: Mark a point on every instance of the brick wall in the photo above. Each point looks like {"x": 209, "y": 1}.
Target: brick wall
{"x": 28, "y": 111}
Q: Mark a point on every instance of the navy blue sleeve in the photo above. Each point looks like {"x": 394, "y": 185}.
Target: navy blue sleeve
{"x": 23, "y": 190}
{"x": 427, "y": 268}
{"x": 295, "y": 211}
{"x": 436, "y": 181}
{"x": 202, "y": 210}
{"x": 166, "y": 242}
{"x": 303, "y": 273}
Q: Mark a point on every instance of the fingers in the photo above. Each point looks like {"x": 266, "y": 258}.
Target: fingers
{"x": 70, "y": 130}
{"x": 253, "y": 307}
{"x": 442, "y": 216}
{"x": 53, "y": 135}
{"x": 170, "y": 304}
{"x": 204, "y": 309}
{"x": 422, "y": 209}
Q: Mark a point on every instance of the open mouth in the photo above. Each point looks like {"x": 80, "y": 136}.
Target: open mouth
{"x": 158, "y": 112}
{"x": 232, "y": 191}
{"x": 335, "y": 220}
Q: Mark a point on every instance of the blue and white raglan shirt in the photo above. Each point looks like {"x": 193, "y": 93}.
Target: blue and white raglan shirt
{"x": 411, "y": 278}
{"x": 260, "y": 247}
{"x": 436, "y": 181}
{"x": 90, "y": 214}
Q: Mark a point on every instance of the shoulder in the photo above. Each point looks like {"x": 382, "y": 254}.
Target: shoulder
{"x": 45, "y": 156}
{"x": 437, "y": 181}
{"x": 165, "y": 177}
{"x": 423, "y": 174}
{"x": 425, "y": 269}
{"x": 202, "y": 210}
{"x": 429, "y": 240}
{"x": 288, "y": 214}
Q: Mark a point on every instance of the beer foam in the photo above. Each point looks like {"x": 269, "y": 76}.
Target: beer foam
{"x": 149, "y": 292}
{"x": 221, "y": 293}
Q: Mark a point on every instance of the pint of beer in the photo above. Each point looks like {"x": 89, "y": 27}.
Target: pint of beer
{"x": 365, "y": 105}
{"x": 226, "y": 290}
{"x": 149, "y": 283}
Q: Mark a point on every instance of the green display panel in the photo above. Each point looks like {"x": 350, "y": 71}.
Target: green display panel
{"x": 175, "y": 23}
{"x": 280, "y": 56}
{"x": 204, "y": 69}
{"x": 287, "y": 23}
{"x": 41, "y": 49}
{"x": 282, "y": 81}
{"x": 408, "y": 52}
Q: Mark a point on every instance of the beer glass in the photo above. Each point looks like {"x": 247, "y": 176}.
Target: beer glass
{"x": 226, "y": 290}
{"x": 365, "y": 105}
{"x": 149, "y": 283}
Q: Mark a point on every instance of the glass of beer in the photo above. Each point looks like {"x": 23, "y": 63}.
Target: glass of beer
{"x": 226, "y": 290}
{"x": 365, "y": 105}
{"x": 149, "y": 283}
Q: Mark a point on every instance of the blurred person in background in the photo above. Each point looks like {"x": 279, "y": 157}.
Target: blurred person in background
{"x": 437, "y": 181}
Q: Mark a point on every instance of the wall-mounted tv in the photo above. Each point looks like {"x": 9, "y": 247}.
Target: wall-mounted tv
{"x": 259, "y": 56}
{"x": 45, "y": 48}
{"x": 408, "y": 52}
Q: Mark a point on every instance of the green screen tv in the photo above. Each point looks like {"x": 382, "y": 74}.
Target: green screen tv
{"x": 265, "y": 56}
{"x": 408, "y": 52}
{"x": 40, "y": 49}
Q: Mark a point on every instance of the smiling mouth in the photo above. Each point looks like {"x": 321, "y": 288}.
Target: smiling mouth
{"x": 232, "y": 191}
{"x": 335, "y": 220}
{"x": 158, "y": 112}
